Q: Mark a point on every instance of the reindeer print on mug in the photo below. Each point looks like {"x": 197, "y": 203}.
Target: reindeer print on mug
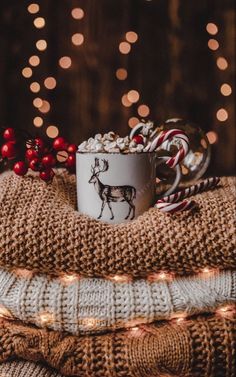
{"x": 111, "y": 194}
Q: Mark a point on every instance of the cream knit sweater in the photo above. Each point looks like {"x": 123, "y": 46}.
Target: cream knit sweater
{"x": 26, "y": 369}
{"x": 93, "y": 304}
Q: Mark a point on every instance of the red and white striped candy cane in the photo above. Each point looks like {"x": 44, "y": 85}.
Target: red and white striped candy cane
{"x": 172, "y": 203}
{"x": 167, "y": 135}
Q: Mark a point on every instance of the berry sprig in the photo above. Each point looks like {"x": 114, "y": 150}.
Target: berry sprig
{"x": 22, "y": 152}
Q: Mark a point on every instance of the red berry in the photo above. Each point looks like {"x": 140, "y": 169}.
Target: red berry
{"x": 72, "y": 148}
{"x": 30, "y": 154}
{"x": 8, "y": 150}
{"x": 9, "y": 134}
{"x": 59, "y": 144}
{"x": 35, "y": 164}
{"x": 47, "y": 175}
{"x": 49, "y": 161}
{"x": 70, "y": 162}
{"x": 138, "y": 139}
{"x": 39, "y": 143}
{"x": 20, "y": 168}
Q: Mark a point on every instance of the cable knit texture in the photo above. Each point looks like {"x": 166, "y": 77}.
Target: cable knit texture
{"x": 94, "y": 305}
{"x": 40, "y": 229}
{"x": 204, "y": 347}
{"x": 25, "y": 369}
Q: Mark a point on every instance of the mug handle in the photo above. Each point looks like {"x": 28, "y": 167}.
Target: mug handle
{"x": 159, "y": 161}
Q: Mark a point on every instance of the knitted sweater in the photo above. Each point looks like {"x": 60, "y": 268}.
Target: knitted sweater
{"x": 200, "y": 347}
{"x": 40, "y": 229}
{"x": 25, "y": 369}
{"x": 93, "y": 305}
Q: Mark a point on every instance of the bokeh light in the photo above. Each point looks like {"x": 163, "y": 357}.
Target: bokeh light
{"x": 125, "y": 101}
{"x": 77, "y": 13}
{"x": 124, "y": 47}
{"x": 65, "y": 62}
{"x": 212, "y": 137}
{"x": 143, "y": 110}
{"x": 133, "y": 96}
{"x": 39, "y": 22}
{"x": 212, "y": 28}
{"x": 27, "y": 72}
{"x": 38, "y": 121}
{"x": 225, "y": 89}
{"x": 121, "y": 74}
{"x": 37, "y": 102}
{"x": 50, "y": 83}
{"x": 41, "y": 45}
{"x": 52, "y": 132}
{"x": 213, "y": 44}
{"x": 222, "y": 63}
{"x": 45, "y": 107}
{"x": 35, "y": 87}
{"x": 133, "y": 121}
{"x": 77, "y": 39}
{"x": 34, "y": 60}
{"x": 222, "y": 115}
{"x": 33, "y": 8}
{"x": 131, "y": 36}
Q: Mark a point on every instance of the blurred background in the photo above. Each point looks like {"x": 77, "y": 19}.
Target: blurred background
{"x": 78, "y": 67}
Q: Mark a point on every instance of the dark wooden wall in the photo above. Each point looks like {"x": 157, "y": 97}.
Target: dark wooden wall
{"x": 171, "y": 66}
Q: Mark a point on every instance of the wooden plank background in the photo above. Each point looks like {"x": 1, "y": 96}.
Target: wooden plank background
{"x": 171, "y": 66}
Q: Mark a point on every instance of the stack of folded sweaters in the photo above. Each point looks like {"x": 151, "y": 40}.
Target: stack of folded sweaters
{"x": 78, "y": 297}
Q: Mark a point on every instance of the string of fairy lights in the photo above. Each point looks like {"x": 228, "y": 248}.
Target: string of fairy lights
{"x": 42, "y": 105}
{"x": 221, "y": 64}
{"x": 135, "y": 326}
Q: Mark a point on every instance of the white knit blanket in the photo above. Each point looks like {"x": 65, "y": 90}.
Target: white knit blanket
{"x": 93, "y": 304}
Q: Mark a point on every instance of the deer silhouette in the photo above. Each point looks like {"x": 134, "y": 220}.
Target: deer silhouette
{"x": 110, "y": 194}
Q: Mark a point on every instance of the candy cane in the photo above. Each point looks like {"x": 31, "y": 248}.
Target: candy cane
{"x": 171, "y": 203}
{"x": 167, "y": 135}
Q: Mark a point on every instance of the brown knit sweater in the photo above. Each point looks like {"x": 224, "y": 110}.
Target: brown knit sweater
{"x": 40, "y": 229}
{"x": 196, "y": 348}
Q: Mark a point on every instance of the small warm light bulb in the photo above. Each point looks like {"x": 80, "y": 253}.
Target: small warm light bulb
{"x": 89, "y": 323}
{"x": 77, "y": 13}
{"x": 143, "y": 110}
{"x": 33, "y": 8}
{"x": 226, "y": 311}
{"x": 120, "y": 278}
{"x": 212, "y": 137}
{"x": 225, "y": 89}
{"x": 133, "y": 96}
{"x": 46, "y": 318}
{"x": 222, "y": 115}
{"x": 121, "y": 74}
{"x": 45, "y": 108}
{"x": 222, "y": 63}
{"x": 35, "y": 87}
{"x": 41, "y": 45}
{"x": 52, "y": 132}
{"x": 39, "y": 22}
{"x": 68, "y": 279}
{"x": 50, "y": 83}
{"x": 38, "y": 121}
{"x": 4, "y": 312}
{"x": 125, "y": 101}
{"x": 131, "y": 36}
{"x": 124, "y": 47}
{"x": 27, "y": 72}
{"x": 212, "y": 28}
{"x": 65, "y": 62}
{"x": 162, "y": 275}
{"x": 133, "y": 121}
{"x": 213, "y": 44}
{"x": 23, "y": 272}
{"x": 77, "y": 39}
{"x": 37, "y": 102}
{"x": 34, "y": 60}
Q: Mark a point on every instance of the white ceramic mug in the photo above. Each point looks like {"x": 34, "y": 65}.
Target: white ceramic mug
{"x": 115, "y": 187}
